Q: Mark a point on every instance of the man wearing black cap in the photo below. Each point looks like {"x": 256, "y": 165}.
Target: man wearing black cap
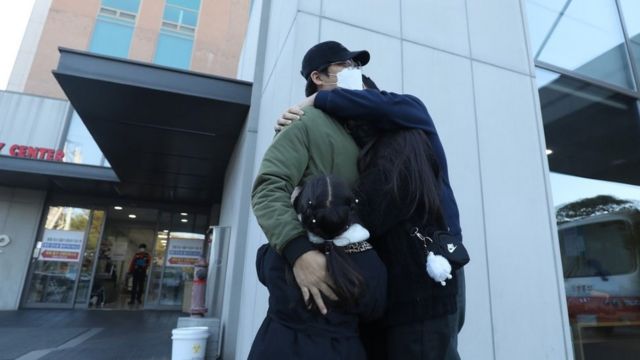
{"x": 317, "y": 144}
{"x": 389, "y": 111}
{"x": 318, "y": 60}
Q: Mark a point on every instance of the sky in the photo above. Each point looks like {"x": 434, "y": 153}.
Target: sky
{"x": 14, "y": 16}
{"x": 567, "y": 188}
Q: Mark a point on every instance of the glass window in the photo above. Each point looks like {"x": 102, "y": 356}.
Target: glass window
{"x": 173, "y": 50}
{"x": 80, "y": 148}
{"x": 592, "y": 132}
{"x": 181, "y": 15}
{"x": 131, "y": 6}
{"x": 57, "y": 257}
{"x": 179, "y": 245}
{"x": 581, "y": 36}
{"x": 597, "y": 248}
{"x": 172, "y": 14}
{"x": 592, "y": 137}
{"x": 190, "y": 18}
{"x": 630, "y": 12}
{"x": 111, "y": 37}
{"x": 188, "y": 4}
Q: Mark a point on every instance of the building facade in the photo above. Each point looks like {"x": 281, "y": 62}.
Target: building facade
{"x": 202, "y": 36}
{"x": 536, "y": 103}
{"x": 69, "y": 224}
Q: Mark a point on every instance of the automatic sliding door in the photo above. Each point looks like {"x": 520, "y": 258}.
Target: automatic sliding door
{"x": 179, "y": 244}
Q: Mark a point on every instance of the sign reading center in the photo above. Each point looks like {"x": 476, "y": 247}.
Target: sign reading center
{"x": 32, "y": 152}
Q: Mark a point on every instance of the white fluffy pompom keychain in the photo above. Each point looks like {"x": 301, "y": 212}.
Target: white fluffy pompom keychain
{"x": 438, "y": 268}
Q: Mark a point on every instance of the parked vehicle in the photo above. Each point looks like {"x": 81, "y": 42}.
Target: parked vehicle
{"x": 600, "y": 260}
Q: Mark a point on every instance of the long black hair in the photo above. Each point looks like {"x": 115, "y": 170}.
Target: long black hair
{"x": 405, "y": 159}
{"x": 327, "y": 207}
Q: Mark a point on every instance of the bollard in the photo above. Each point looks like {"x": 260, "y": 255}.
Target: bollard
{"x": 200, "y": 270}
{"x": 199, "y": 288}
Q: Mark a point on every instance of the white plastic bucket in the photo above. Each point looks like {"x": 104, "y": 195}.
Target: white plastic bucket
{"x": 189, "y": 343}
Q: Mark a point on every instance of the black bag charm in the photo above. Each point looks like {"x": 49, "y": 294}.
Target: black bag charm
{"x": 445, "y": 244}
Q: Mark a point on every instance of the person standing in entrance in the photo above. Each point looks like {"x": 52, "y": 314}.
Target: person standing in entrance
{"x": 138, "y": 271}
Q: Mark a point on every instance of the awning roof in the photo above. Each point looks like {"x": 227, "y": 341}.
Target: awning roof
{"x": 168, "y": 134}
{"x": 40, "y": 174}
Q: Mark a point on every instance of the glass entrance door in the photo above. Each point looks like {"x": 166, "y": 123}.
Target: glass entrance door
{"x": 179, "y": 244}
{"x": 62, "y": 261}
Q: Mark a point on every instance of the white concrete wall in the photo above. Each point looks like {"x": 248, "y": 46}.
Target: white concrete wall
{"x": 20, "y": 212}
{"x": 235, "y": 210}
{"x": 235, "y": 214}
{"x": 468, "y": 61}
{"x": 29, "y": 46}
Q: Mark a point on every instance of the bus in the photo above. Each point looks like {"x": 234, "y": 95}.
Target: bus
{"x": 600, "y": 257}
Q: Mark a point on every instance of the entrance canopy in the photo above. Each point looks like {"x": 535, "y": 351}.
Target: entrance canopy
{"x": 38, "y": 174}
{"x": 167, "y": 133}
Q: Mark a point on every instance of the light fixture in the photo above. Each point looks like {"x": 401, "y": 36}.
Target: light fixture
{"x": 184, "y": 220}
{"x": 184, "y": 214}
{"x": 118, "y": 207}
{"x": 549, "y": 151}
{"x": 165, "y": 231}
{"x": 131, "y": 216}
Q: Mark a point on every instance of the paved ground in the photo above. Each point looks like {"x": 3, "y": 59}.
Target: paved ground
{"x": 82, "y": 334}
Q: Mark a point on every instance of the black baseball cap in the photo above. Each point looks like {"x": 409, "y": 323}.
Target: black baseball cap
{"x": 326, "y": 53}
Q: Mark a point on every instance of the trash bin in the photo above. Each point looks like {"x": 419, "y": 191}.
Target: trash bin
{"x": 189, "y": 343}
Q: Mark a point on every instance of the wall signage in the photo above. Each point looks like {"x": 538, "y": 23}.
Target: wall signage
{"x": 31, "y": 152}
{"x": 61, "y": 245}
{"x": 184, "y": 252}
{"x": 4, "y": 241}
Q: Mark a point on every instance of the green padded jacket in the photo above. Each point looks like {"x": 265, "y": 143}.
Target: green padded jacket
{"x": 315, "y": 144}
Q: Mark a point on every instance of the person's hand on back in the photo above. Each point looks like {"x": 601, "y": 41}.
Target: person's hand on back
{"x": 310, "y": 271}
{"x": 293, "y": 113}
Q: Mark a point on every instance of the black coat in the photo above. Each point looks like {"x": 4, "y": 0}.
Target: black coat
{"x": 412, "y": 295}
{"x": 291, "y": 331}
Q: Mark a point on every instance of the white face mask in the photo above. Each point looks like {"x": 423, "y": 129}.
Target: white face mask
{"x": 350, "y": 79}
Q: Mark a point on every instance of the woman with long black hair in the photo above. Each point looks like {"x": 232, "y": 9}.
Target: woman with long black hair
{"x": 399, "y": 186}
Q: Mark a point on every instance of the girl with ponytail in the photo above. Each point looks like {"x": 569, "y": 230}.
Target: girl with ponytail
{"x": 327, "y": 209}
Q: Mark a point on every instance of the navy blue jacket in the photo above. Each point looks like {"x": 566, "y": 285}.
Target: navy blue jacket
{"x": 390, "y": 111}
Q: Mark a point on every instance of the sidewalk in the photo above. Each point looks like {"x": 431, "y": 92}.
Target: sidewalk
{"x": 86, "y": 334}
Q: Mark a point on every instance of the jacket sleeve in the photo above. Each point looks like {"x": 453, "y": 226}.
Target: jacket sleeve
{"x": 386, "y": 110}
{"x": 282, "y": 169}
